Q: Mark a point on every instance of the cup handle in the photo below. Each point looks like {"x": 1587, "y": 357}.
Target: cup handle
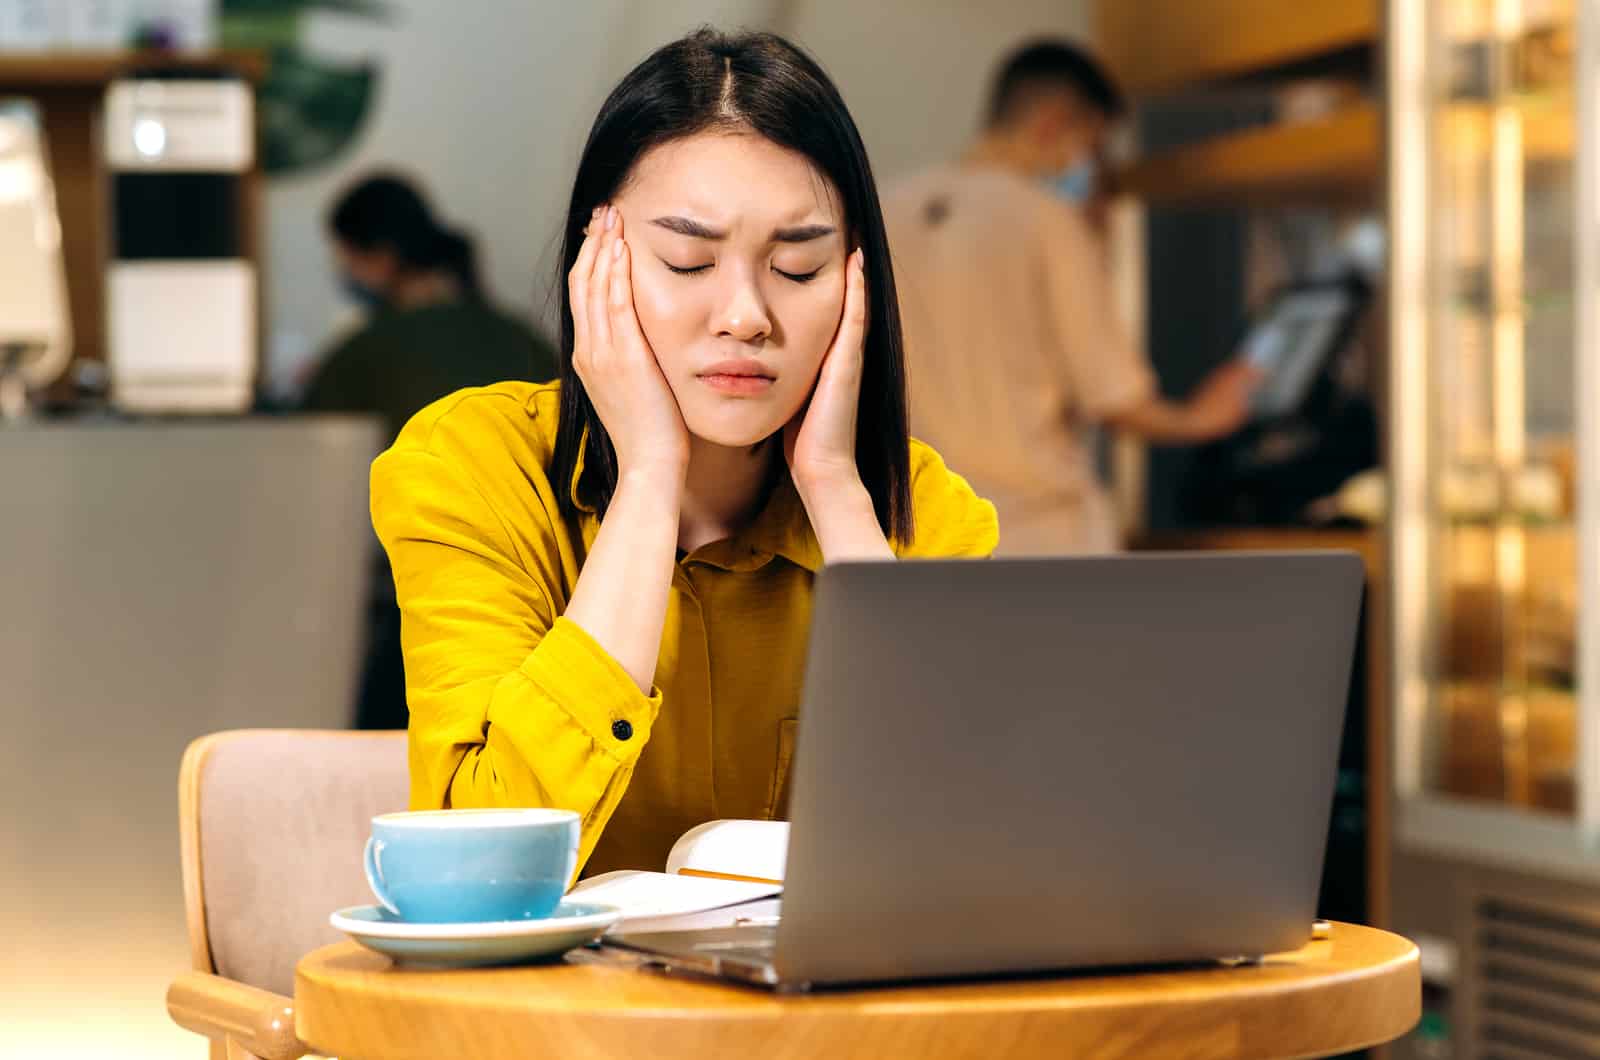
{"x": 374, "y": 867}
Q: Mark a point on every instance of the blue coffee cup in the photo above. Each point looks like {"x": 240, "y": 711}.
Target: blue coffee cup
{"x": 457, "y": 866}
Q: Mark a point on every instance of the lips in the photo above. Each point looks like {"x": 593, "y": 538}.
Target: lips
{"x": 744, "y": 367}
{"x": 745, "y": 377}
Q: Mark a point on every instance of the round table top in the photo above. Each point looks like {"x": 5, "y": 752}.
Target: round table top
{"x": 1357, "y": 988}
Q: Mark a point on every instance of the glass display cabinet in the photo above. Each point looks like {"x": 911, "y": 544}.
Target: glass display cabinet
{"x": 1490, "y": 392}
{"x": 1494, "y": 389}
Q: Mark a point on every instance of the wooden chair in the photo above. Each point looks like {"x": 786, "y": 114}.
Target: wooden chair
{"x": 272, "y": 824}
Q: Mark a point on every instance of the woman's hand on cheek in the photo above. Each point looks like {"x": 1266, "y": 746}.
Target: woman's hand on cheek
{"x": 820, "y": 442}
{"x": 610, "y": 354}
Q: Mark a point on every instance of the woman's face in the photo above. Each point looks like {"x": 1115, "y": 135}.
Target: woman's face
{"x": 738, "y": 249}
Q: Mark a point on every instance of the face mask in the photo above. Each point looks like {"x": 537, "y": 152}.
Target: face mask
{"x": 358, "y": 292}
{"x": 1075, "y": 183}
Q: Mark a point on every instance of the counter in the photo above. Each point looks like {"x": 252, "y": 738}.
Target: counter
{"x": 158, "y": 580}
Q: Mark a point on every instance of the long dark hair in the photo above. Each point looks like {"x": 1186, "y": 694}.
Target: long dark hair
{"x": 765, "y": 84}
{"x": 388, "y": 211}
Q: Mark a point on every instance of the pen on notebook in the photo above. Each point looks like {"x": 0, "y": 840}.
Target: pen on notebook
{"x": 707, "y": 874}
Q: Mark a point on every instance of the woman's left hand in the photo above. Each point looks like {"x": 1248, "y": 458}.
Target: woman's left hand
{"x": 820, "y": 442}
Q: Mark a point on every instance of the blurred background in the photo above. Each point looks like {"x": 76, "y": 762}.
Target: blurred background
{"x": 211, "y": 209}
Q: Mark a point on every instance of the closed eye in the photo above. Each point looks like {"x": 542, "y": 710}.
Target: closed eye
{"x": 691, "y": 270}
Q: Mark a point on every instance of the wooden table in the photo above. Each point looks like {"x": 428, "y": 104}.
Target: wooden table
{"x": 1360, "y": 987}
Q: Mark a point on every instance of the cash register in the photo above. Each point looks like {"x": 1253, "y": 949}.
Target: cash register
{"x": 1307, "y": 432}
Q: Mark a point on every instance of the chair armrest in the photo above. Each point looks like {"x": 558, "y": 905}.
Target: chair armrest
{"x": 258, "y": 1020}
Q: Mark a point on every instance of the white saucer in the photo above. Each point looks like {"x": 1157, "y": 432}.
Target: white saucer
{"x": 465, "y": 944}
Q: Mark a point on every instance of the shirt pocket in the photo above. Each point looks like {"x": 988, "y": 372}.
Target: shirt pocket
{"x": 778, "y": 797}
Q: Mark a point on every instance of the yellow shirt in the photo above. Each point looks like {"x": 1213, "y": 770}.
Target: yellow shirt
{"x": 513, "y": 705}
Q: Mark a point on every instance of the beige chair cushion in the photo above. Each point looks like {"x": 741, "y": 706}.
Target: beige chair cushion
{"x": 283, "y": 819}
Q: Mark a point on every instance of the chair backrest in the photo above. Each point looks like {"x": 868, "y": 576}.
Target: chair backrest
{"x": 273, "y": 822}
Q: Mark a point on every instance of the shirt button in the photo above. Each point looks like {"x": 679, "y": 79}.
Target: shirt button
{"x": 622, "y": 729}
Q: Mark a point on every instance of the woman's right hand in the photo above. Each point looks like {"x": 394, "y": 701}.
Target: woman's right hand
{"x": 610, "y": 354}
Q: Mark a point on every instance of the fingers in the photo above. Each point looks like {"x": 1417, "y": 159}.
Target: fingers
{"x": 625, "y": 328}
{"x": 600, "y": 283}
{"x": 853, "y": 321}
{"x": 600, "y": 287}
{"x": 578, "y": 287}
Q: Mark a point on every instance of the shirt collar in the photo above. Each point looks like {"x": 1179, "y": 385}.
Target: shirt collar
{"x": 781, "y": 529}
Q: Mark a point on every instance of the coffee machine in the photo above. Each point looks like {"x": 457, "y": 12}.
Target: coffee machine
{"x": 181, "y": 292}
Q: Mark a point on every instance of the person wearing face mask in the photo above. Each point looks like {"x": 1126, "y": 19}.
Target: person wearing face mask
{"x": 1012, "y": 341}
{"x": 607, "y": 581}
{"x": 429, "y": 331}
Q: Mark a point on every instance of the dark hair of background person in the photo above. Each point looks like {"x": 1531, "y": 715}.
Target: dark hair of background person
{"x": 1051, "y": 65}
{"x": 761, "y": 83}
{"x": 388, "y": 211}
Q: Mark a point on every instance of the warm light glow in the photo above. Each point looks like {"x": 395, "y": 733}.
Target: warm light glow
{"x": 19, "y": 180}
{"x": 1587, "y": 386}
{"x": 1406, "y": 27}
{"x": 67, "y": 1031}
{"x": 11, "y": 130}
{"x": 149, "y": 137}
{"x": 1507, "y": 195}
{"x": 1509, "y": 348}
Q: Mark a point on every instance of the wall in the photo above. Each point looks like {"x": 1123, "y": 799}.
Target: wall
{"x": 485, "y": 101}
{"x": 916, "y": 72}
{"x": 174, "y": 578}
{"x": 489, "y": 100}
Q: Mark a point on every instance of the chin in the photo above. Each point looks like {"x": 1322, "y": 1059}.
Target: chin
{"x": 736, "y": 425}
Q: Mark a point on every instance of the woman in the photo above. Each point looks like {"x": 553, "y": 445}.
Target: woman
{"x": 431, "y": 330}
{"x": 607, "y": 583}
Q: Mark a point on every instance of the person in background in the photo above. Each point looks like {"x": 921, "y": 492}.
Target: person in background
{"x": 1013, "y": 348}
{"x": 430, "y": 332}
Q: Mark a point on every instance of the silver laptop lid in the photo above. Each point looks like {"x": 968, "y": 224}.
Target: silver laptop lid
{"x": 1030, "y": 764}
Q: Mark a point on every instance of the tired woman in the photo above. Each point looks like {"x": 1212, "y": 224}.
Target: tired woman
{"x": 606, "y": 581}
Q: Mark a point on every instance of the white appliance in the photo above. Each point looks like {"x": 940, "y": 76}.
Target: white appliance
{"x": 35, "y": 325}
{"x": 181, "y": 297}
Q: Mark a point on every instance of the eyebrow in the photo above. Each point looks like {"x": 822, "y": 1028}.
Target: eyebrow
{"x": 695, "y": 230}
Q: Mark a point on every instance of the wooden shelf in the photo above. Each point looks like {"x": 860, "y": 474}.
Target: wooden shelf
{"x": 1549, "y": 131}
{"x": 1329, "y": 160}
{"x": 1466, "y": 21}
{"x": 69, "y": 90}
{"x": 66, "y": 70}
{"x": 1156, "y": 45}
{"x": 1333, "y": 158}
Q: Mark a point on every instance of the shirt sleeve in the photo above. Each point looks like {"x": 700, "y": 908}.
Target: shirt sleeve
{"x": 511, "y": 704}
{"x": 1102, "y": 369}
{"x": 951, "y": 519}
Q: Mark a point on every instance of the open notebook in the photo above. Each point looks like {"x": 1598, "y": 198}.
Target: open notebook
{"x": 717, "y": 874}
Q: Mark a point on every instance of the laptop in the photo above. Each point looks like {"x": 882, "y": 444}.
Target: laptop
{"x": 1018, "y": 766}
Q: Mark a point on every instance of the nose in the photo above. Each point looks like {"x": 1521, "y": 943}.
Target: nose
{"x": 741, "y": 312}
